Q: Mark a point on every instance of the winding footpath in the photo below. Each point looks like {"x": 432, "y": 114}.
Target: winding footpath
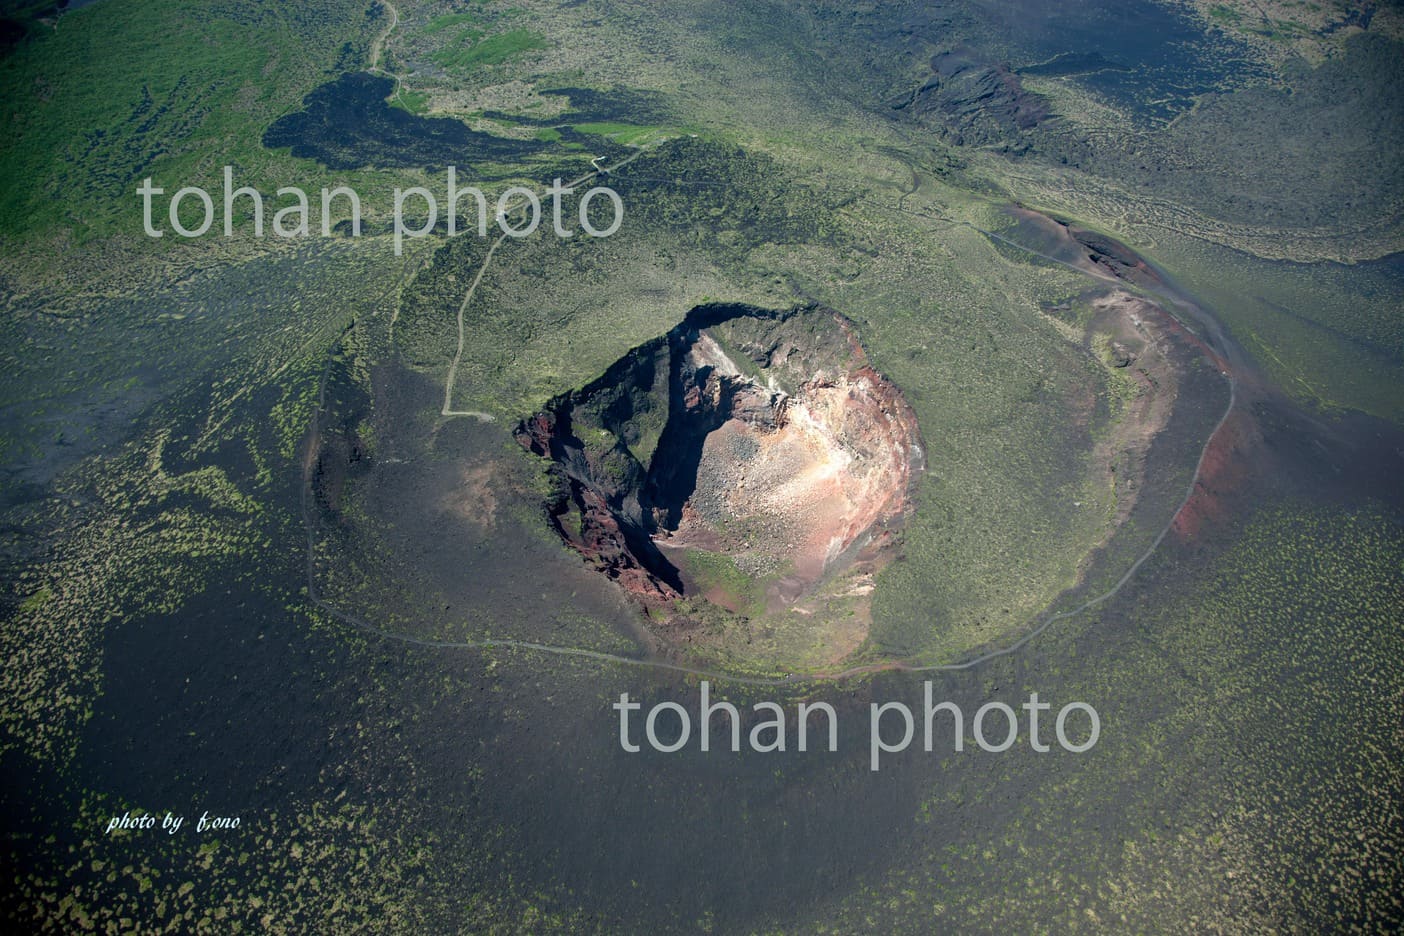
{"x": 378, "y": 47}
{"x": 448, "y": 409}
{"x": 377, "y": 51}
{"x": 1042, "y": 623}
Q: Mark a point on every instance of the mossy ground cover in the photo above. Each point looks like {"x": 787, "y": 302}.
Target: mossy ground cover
{"x": 1243, "y": 791}
{"x": 1329, "y": 334}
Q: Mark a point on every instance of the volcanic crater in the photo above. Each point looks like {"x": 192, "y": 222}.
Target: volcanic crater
{"x": 749, "y": 457}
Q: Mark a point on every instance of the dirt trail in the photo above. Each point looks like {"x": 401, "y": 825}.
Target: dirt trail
{"x": 378, "y": 46}
{"x": 448, "y": 409}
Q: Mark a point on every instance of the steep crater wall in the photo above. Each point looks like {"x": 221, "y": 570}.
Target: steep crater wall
{"x": 749, "y": 457}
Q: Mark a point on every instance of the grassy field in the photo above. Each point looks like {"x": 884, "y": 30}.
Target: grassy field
{"x": 470, "y": 50}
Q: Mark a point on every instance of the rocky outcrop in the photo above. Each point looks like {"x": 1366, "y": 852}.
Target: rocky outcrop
{"x": 759, "y": 438}
{"x": 974, "y": 101}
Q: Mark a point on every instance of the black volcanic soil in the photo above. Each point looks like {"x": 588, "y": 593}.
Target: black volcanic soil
{"x": 761, "y": 440}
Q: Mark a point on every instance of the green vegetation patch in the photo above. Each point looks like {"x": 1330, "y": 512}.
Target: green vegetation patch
{"x": 467, "y": 52}
{"x": 448, "y": 20}
{"x": 1225, "y": 14}
{"x": 718, "y": 572}
{"x": 416, "y": 102}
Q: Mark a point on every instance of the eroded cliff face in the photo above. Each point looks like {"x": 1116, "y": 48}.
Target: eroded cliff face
{"x": 745, "y": 457}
